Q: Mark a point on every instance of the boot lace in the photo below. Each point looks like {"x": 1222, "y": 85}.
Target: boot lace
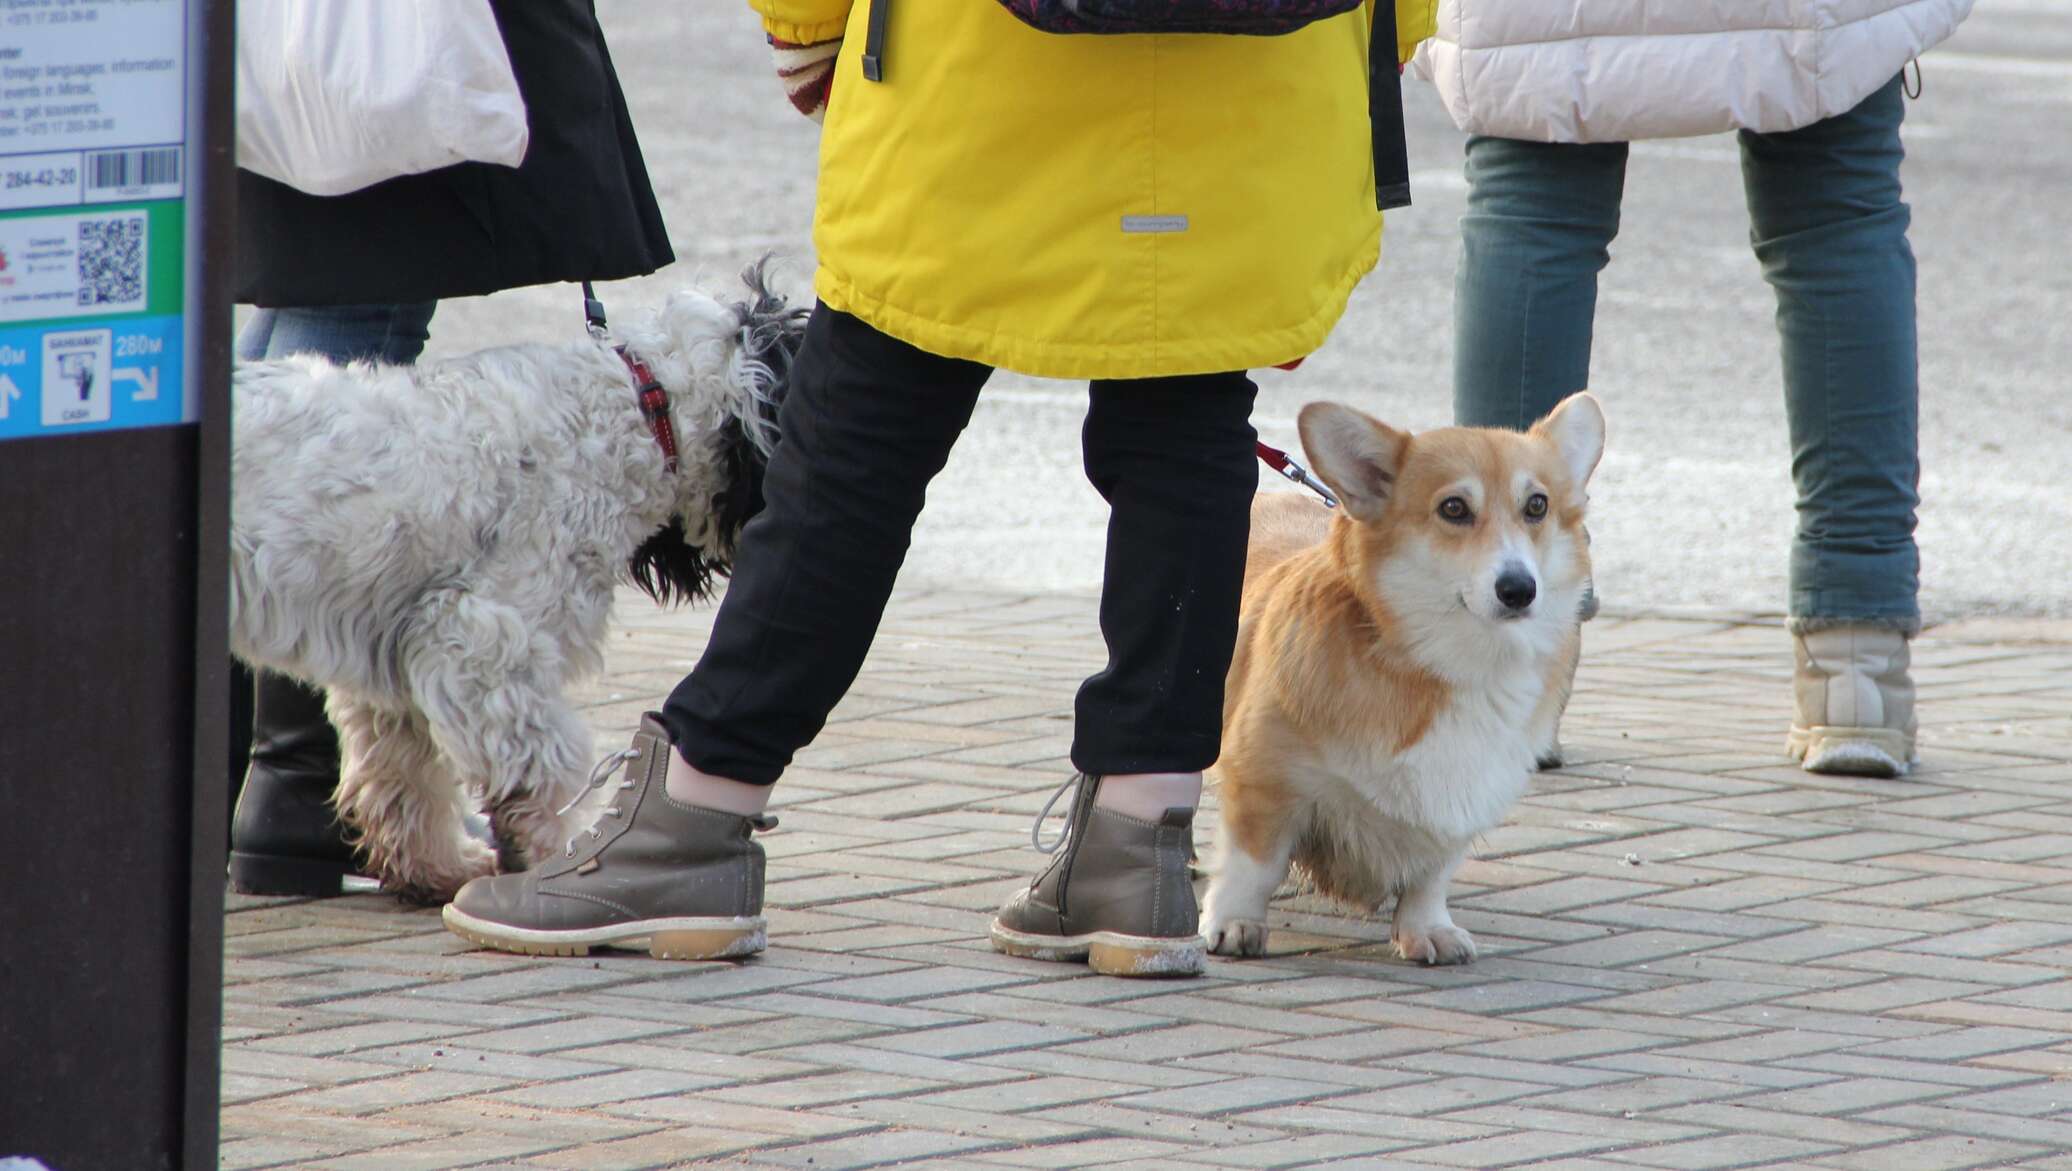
{"x": 598, "y": 776}
{"x": 1036, "y": 828}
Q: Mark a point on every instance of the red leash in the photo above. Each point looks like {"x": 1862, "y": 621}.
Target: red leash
{"x": 647, "y": 389}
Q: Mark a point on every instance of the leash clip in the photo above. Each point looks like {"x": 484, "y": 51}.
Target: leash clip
{"x": 593, "y": 313}
{"x": 1280, "y": 461}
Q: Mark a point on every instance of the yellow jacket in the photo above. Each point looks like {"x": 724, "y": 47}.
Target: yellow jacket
{"x": 992, "y": 198}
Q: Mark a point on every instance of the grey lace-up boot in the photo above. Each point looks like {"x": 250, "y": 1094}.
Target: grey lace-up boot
{"x": 1854, "y": 704}
{"x": 683, "y": 882}
{"x": 1116, "y": 894}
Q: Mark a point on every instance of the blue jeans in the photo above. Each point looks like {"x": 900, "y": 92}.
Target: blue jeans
{"x": 343, "y": 333}
{"x": 1829, "y": 229}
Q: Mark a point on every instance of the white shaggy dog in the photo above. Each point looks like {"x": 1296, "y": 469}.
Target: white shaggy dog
{"x": 438, "y": 546}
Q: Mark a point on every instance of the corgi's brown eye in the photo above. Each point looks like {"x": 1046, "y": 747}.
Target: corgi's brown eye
{"x": 1455, "y": 509}
{"x": 1535, "y": 506}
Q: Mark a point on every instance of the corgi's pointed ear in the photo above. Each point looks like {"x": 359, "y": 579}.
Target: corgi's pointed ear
{"x": 1576, "y": 428}
{"x": 1355, "y": 454}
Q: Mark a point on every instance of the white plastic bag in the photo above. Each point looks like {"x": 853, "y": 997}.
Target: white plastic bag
{"x": 336, "y": 95}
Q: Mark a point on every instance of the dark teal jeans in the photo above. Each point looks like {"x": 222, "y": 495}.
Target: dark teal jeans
{"x": 1830, "y": 230}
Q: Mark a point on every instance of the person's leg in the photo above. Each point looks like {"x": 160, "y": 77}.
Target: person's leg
{"x": 1539, "y": 226}
{"x": 1175, "y": 459}
{"x": 1828, "y": 224}
{"x": 285, "y": 839}
{"x": 1830, "y": 228}
{"x": 250, "y": 346}
{"x": 866, "y": 422}
{"x": 1538, "y": 229}
{"x": 343, "y": 333}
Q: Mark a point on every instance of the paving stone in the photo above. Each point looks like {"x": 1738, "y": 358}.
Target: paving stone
{"x": 1813, "y": 1125}
{"x": 256, "y": 1065}
{"x": 876, "y": 1149}
{"x": 864, "y": 1059}
{"x": 976, "y": 1039}
{"x": 669, "y": 1053}
{"x": 1741, "y": 1150}
{"x": 1868, "y": 1070}
{"x": 606, "y": 1088}
{"x": 1979, "y": 1124}
{"x": 367, "y": 1097}
{"x": 661, "y": 1148}
{"x": 1942, "y": 1153}
{"x": 1237, "y": 1063}
{"x": 697, "y": 1111}
{"x": 1508, "y": 1149}
{"x": 1529, "y": 1118}
{"x": 823, "y": 1090}
{"x": 1132, "y": 1073}
{"x": 1563, "y": 1046}
{"x": 1629, "y": 947}
{"x": 1098, "y": 1152}
{"x": 1127, "y": 1120}
{"x": 1958, "y": 1044}
{"x": 1027, "y": 1094}
{"x": 1305, "y": 1150}
{"x": 1232, "y": 1095}
{"x": 1166, "y": 1044}
{"x": 457, "y": 1058}
{"x": 435, "y": 1154}
{"x": 927, "y": 1115}
{"x": 1546, "y": 1073}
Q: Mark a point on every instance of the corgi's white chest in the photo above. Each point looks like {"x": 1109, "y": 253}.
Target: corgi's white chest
{"x": 1462, "y": 776}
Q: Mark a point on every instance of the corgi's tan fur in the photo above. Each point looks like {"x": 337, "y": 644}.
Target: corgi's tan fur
{"x": 1389, "y": 693}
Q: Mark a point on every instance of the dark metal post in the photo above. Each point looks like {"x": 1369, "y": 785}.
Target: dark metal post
{"x": 115, "y": 231}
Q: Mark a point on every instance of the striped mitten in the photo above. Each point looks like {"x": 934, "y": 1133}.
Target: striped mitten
{"x": 808, "y": 73}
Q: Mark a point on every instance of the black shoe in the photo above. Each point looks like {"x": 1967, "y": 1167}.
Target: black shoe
{"x": 285, "y": 838}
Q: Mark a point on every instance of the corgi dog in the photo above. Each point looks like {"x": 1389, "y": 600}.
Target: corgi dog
{"x": 1401, "y": 665}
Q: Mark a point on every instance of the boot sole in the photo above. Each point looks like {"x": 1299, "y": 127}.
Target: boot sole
{"x": 664, "y": 939}
{"x": 1110, "y": 953}
{"x": 279, "y": 876}
{"x": 1851, "y": 752}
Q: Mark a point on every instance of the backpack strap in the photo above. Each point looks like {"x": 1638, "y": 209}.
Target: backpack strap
{"x": 1385, "y": 110}
{"x": 874, "y": 42}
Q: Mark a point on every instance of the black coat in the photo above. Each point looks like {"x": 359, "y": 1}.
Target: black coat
{"x": 578, "y": 207}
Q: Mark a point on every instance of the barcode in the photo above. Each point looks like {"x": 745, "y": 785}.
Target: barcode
{"x": 133, "y": 168}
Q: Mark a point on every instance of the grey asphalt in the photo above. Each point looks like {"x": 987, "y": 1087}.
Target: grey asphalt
{"x": 1692, "y": 509}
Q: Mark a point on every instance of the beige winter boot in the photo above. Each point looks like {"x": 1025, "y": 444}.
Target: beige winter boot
{"x": 1855, "y": 702}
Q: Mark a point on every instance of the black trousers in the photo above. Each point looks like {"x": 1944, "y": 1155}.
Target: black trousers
{"x": 867, "y": 422}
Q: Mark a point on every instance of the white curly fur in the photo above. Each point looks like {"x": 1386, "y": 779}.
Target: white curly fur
{"x": 438, "y": 546}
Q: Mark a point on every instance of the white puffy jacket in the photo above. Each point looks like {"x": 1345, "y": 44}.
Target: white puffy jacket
{"x": 1621, "y": 70}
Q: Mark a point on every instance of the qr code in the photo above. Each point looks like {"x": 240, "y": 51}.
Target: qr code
{"x": 111, "y": 261}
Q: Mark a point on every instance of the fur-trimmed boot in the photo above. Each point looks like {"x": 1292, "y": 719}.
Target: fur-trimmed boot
{"x": 1855, "y": 701}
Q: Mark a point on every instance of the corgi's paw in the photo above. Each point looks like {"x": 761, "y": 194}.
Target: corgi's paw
{"x": 1439, "y": 943}
{"x": 1237, "y": 937}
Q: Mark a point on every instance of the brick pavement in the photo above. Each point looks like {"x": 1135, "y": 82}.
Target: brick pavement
{"x": 1694, "y": 956}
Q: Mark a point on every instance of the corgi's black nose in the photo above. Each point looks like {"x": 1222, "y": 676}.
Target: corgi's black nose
{"x": 1516, "y": 589}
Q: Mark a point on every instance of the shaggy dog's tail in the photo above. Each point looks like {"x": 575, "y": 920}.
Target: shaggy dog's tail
{"x": 667, "y": 567}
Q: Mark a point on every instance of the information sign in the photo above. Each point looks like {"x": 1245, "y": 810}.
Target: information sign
{"x": 93, "y": 180}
